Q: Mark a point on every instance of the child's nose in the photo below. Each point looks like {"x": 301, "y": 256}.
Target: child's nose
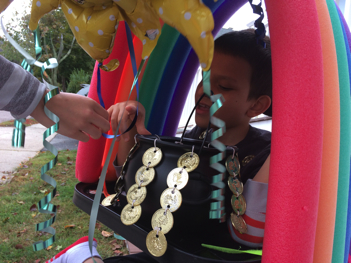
{"x": 199, "y": 87}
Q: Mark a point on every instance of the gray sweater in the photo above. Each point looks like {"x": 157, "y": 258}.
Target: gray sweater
{"x": 20, "y": 91}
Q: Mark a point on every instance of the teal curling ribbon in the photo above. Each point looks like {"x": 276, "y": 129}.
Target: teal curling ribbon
{"x": 19, "y": 134}
{"x": 44, "y": 204}
{"x": 217, "y": 210}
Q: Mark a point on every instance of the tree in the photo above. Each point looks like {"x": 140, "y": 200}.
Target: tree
{"x": 18, "y": 30}
{"x": 57, "y": 41}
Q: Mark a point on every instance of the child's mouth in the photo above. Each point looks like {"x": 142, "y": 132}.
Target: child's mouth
{"x": 202, "y": 109}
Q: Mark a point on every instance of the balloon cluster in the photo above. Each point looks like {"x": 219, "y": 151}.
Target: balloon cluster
{"x": 94, "y": 23}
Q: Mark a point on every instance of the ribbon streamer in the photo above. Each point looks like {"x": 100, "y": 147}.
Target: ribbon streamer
{"x": 44, "y": 204}
{"x": 135, "y": 71}
{"x": 96, "y": 202}
{"x": 260, "y": 31}
{"x": 216, "y": 208}
{"x": 18, "y": 137}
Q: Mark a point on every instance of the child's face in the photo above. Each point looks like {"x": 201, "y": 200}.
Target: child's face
{"x": 231, "y": 77}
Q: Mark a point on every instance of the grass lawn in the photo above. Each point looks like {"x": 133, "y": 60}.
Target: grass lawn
{"x": 28, "y": 122}
{"x": 18, "y": 216}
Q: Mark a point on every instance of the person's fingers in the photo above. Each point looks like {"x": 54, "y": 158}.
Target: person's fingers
{"x": 101, "y": 111}
{"x": 114, "y": 116}
{"x": 100, "y": 122}
{"x": 125, "y": 123}
{"x": 131, "y": 111}
{"x": 93, "y": 131}
{"x": 140, "y": 122}
{"x": 77, "y": 135}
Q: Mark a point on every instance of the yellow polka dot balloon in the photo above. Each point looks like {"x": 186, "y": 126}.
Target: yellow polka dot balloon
{"x": 94, "y": 23}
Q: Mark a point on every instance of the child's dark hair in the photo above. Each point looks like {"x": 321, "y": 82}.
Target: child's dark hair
{"x": 243, "y": 44}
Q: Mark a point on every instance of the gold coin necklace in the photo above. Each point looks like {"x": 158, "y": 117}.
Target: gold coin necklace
{"x": 114, "y": 198}
{"x": 171, "y": 199}
{"x": 237, "y": 201}
{"x": 137, "y": 192}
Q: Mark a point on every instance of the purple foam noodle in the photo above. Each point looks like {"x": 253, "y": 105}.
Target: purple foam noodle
{"x": 221, "y": 16}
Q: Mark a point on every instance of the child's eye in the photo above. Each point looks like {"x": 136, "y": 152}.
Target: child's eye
{"x": 224, "y": 88}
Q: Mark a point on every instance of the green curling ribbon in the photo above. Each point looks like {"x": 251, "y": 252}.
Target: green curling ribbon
{"x": 257, "y": 252}
{"x": 44, "y": 204}
{"x": 18, "y": 135}
{"x": 217, "y": 210}
{"x": 96, "y": 202}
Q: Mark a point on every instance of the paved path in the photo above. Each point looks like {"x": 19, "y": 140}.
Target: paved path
{"x": 5, "y": 116}
{"x": 11, "y": 158}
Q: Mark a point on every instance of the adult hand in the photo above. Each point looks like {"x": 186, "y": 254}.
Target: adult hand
{"x": 79, "y": 116}
{"x": 125, "y": 112}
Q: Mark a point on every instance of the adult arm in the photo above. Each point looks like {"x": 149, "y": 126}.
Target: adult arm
{"x": 22, "y": 95}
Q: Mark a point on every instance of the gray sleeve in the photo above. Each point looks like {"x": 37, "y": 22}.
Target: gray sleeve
{"x": 255, "y": 194}
{"x": 20, "y": 91}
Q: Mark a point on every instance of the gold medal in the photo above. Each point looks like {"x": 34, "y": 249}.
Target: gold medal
{"x": 235, "y": 185}
{"x": 233, "y": 165}
{"x": 152, "y": 157}
{"x": 238, "y": 223}
{"x": 130, "y": 214}
{"x": 144, "y": 175}
{"x": 238, "y": 204}
{"x": 162, "y": 219}
{"x": 171, "y": 199}
{"x": 189, "y": 161}
{"x": 178, "y": 178}
{"x": 137, "y": 194}
{"x": 107, "y": 200}
{"x": 156, "y": 243}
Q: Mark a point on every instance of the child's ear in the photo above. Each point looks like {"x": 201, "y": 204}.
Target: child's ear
{"x": 260, "y": 106}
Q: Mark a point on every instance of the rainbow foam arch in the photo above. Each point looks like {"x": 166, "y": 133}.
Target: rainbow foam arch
{"x": 308, "y": 208}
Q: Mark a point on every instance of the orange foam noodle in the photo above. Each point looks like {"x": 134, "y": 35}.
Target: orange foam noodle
{"x": 331, "y": 140}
